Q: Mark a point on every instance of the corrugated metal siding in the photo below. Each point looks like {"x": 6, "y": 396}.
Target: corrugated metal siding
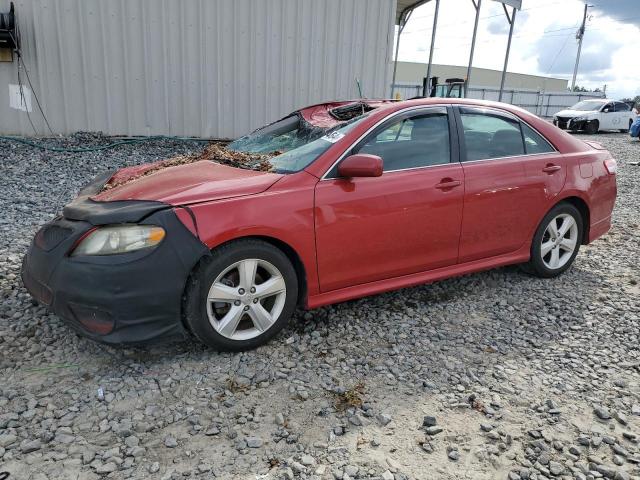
{"x": 209, "y": 68}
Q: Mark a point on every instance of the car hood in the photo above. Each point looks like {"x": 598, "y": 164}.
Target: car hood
{"x": 185, "y": 184}
{"x": 574, "y": 113}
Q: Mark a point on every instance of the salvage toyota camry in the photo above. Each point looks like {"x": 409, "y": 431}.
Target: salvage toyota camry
{"x": 334, "y": 202}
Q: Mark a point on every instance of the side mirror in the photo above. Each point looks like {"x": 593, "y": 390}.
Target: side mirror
{"x": 360, "y": 165}
{"x": 606, "y": 110}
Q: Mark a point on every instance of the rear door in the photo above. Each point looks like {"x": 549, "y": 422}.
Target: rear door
{"x": 407, "y": 220}
{"x": 511, "y": 173}
{"x": 608, "y": 117}
{"x": 623, "y": 115}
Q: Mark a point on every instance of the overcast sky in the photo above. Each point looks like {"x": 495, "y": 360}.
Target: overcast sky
{"x": 543, "y": 41}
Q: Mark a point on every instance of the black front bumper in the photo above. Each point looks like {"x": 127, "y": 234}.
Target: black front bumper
{"x": 129, "y": 298}
{"x": 570, "y": 124}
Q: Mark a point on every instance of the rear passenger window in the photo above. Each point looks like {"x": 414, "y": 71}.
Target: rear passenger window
{"x": 622, "y": 107}
{"x": 534, "y": 142}
{"x": 418, "y": 141}
{"x": 490, "y": 136}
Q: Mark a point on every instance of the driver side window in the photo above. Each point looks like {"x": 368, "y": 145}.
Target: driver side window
{"x": 412, "y": 142}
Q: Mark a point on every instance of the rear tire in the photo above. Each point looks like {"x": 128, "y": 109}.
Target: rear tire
{"x": 241, "y": 296}
{"x": 556, "y": 242}
{"x": 592, "y": 127}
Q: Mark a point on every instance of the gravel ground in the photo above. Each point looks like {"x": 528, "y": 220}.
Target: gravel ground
{"x": 496, "y": 375}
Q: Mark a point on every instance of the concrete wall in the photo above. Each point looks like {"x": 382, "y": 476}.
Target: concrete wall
{"x": 480, "y": 77}
{"x": 209, "y": 68}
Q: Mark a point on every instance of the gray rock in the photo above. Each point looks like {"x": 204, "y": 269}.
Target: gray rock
{"x": 384, "y": 419}
{"x": 387, "y": 475}
{"x": 254, "y": 442}
{"x": 429, "y": 421}
{"x": 602, "y": 413}
{"x": 307, "y": 460}
{"x": 556, "y": 468}
{"x": 30, "y": 446}
{"x": 170, "y": 441}
{"x": 433, "y": 430}
{"x": 356, "y": 420}
{"x": 107, "y": 468}
{"x": 7, "y": 439}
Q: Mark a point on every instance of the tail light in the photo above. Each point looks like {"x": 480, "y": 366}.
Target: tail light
{"x": 611, "y": 166}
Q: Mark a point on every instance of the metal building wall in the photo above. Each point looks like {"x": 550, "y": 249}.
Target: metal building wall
{"x": 208, "y": 68}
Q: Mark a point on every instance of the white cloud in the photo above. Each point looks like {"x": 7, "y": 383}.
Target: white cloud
{"x": 544, "y": 40}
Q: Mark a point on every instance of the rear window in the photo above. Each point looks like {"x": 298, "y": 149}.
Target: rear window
{"x": 534, "y": 142}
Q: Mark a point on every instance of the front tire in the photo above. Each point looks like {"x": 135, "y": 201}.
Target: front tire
{"x": 592, "y": 127}
{"x": 556, "y": 242}
{"x": 241, "y": 296}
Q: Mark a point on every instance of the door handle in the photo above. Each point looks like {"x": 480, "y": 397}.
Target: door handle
{"x": 551, "y": 168}
{"x": 447, "y": 183}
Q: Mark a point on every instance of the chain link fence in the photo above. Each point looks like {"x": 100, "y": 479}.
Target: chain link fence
{"x": 543, "y": 104}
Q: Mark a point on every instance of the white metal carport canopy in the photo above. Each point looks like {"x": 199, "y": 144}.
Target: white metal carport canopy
{"x": 404, "y": 9}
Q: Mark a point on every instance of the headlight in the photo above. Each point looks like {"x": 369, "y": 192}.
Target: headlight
{"x": 119, "y": 239}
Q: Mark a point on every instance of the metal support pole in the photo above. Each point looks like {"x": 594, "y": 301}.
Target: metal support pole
{"x": 580, "y": 35}
{"x": 433, "y": 41}
{"x": 473, "y": 41}
{"x": 403, "y": 23}
{"x": 512, "y": 21}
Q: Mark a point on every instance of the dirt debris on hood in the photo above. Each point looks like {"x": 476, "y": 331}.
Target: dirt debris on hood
{"x": 215, "y": 152}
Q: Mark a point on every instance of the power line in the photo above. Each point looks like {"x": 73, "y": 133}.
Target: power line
{"x": 23, "y": 100}
{"x": 558, "y": 54}
{"x": 18, "y": 51}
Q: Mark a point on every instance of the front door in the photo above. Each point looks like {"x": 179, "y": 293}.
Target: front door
{"x": 407, "y": 220}
{"x": 608, "y": 117}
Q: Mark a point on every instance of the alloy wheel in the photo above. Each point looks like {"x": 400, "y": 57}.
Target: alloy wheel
{"x": 246, "y": 299}
{"x": 559, "y": 241}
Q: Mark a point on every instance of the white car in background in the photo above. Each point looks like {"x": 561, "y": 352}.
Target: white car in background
{"x": 595, "y": 115}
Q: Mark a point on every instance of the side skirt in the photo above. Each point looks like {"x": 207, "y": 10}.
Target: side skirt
{"x": 363, "y": 290}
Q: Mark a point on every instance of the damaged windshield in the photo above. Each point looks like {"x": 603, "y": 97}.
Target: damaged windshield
{"x": 588, "y": 105}
{"x": 293, "y": 147}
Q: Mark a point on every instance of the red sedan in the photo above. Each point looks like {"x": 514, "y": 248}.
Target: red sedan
{"x": 337, "y": 201}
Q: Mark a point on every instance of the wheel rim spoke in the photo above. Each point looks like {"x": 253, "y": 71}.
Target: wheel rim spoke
{"x": 262, "y": 319}
{"x": 222, "y": 293}
{"x": 567, "y": 223}
{"x": 247, "y": 270}
{"x": 553, "y": 228}
{"x": 567, "y": 244}
{"x": 229, "y": 323}
{"x": 272, "y": 286}
{"x": 555, "y": 258}
{"x": 546, "y": 247}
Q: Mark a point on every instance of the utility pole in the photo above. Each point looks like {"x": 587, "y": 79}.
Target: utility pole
{"x": 579, "y": 36}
